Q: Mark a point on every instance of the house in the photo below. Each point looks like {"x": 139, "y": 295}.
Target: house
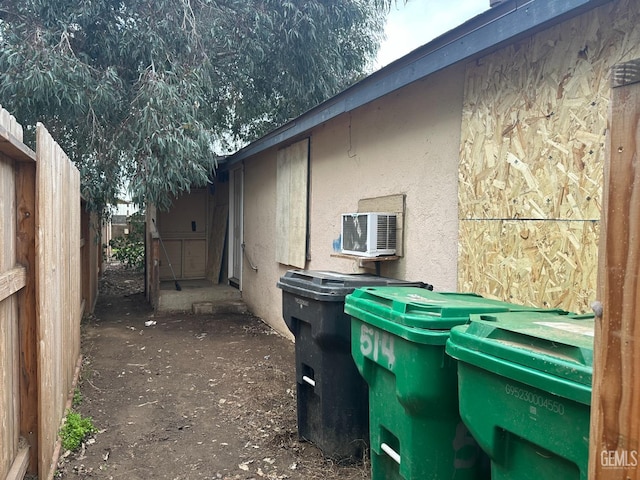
{"x": 488, "y": 142}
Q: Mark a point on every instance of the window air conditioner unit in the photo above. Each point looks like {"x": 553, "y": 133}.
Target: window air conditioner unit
{"x": 368, "y": 234}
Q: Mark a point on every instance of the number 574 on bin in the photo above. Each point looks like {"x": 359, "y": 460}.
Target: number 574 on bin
{"x": 377, "y": 346}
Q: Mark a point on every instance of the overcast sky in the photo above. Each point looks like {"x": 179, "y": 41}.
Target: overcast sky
{"x": 416, "y": 22}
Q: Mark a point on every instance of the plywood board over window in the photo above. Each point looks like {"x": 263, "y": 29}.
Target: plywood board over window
{"x": 532, "y": 152}
{"x": 291, "y": 204}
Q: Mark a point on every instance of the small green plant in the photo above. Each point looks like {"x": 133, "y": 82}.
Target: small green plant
{"x": 75, "y": 430}
{"x": 77, "y": 397}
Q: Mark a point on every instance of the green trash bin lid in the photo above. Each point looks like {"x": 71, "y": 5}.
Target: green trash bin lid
{"x": 544, "y": 349}
{"x": 419, "y": 308}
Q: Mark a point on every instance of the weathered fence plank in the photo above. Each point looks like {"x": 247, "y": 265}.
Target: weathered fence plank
{"x": 20, "y": 464}
{"x": 615, "y": 424}
{"x": 58, "y": 305}
{"x": 25, "y": 176}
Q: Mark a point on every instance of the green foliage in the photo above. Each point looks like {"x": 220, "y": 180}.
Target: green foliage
{"x": 129, "y": 249}
{"x": 149, "y": 94}
{"x": 77, "y": 398}
{"x": 75, "y": 430}
{"x": 129, "y": 252}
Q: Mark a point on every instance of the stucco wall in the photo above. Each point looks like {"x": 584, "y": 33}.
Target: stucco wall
{"x": 406, "y": 143}
{"x": 259, "y": 290}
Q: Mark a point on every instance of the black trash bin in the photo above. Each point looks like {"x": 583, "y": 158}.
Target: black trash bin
{"x": 332, "y": 397}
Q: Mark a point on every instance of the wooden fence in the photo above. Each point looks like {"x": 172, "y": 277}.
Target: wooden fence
{"x": 41, "y": 297}
{"x": 91, "y": 257}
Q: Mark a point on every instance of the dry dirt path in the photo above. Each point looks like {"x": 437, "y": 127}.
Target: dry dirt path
{"x": 190, "y": 397}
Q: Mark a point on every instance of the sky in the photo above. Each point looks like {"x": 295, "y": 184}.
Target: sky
{"x": 416, "y": 22}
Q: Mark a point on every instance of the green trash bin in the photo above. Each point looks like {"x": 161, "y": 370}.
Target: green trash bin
{"x": 398, "y": 337}
{"x": 525, "y": 391}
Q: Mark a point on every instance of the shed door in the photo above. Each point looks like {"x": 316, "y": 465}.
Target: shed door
{"x": 184, "y": 232}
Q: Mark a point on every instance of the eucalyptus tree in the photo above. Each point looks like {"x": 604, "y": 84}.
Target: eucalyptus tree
{"x": 147, "y": 93}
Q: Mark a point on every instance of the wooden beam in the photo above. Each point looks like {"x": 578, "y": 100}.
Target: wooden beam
{"x": 217, "y": 237}
{"x": 14, "y": 148}
{"x": 11, "y": 281}
{"x": 615, "y": 405}
{"x": 20, "y": 464}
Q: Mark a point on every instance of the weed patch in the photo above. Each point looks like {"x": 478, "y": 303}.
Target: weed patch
{"x": 75, "y": 430}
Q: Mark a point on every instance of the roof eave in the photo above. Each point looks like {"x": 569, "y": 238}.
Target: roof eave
{"x": 497, "y": 26}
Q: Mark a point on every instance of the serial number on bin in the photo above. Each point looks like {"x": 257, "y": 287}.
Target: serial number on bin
{"x": 375, "y": 344}
{"x": 534, "y": 399}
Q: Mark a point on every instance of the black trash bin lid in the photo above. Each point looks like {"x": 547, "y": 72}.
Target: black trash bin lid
{"x": 334, "y": 286}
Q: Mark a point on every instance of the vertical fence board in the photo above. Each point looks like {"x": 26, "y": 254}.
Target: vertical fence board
{"x": 58, "y": 287}
{"x": 26, "y": 256}
{"x": 615, "y": 424}
{"x": 90, "y": 251}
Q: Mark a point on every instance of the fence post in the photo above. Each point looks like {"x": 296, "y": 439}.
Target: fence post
{"x": 615, "y": 405}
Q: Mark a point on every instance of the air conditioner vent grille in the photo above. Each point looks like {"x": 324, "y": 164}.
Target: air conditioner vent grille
{"x": 387, "y": 232}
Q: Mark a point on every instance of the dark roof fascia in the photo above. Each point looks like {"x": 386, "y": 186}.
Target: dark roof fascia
{"x": 488, "y": 31}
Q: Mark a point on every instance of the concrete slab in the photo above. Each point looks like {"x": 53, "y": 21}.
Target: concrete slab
{"x": 200, "y": 296}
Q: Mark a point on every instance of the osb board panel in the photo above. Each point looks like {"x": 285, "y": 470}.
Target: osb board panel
{"x": 538, "y": 263}
{"x": 534, "y": 119}
{"x": 217, "y": 237}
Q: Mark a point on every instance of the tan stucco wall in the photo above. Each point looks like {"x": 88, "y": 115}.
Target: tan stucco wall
{"x": 259, "y": 290}
{"x": 406, "y": 143}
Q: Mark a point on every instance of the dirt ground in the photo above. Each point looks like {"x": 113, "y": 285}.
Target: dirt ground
{"x": 189, "y": 397}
